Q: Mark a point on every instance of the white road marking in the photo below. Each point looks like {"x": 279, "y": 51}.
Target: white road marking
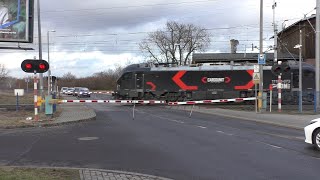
{"x": 172, "y": 120}
{"x": 271, "y": 145}
{"x": 181, "y": 122}
{"x": 224, "y": 133}
{"x": 278, "y": 147}
{"x": 202, "y": 127}
{"x": 87, "y": 138}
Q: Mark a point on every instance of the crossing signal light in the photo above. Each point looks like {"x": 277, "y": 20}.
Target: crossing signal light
{"x": 276, "y": 69}
{"x": 280, "y": 69}
{"x": 34, "y": 66}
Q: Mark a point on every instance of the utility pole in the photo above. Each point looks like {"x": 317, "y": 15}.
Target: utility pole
{"x": 275, "y": 33}
{"x": 317, "y": 57}
{"x": 275, "y": 61}
{"x": 261, "y": 52}
{"x": 49, "y": 71}
{"x": 300, "y": 73}
{"x": 40, "y": 48}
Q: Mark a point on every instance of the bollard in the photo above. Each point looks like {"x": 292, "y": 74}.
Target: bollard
{"x": 17, "y": 103}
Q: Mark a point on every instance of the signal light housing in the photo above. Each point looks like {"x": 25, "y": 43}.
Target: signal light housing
{"x": 280, "y": 69}
{"x": 34, "y": 66}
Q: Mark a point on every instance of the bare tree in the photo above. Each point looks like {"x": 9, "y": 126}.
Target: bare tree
{"x": 68, "y": 80}
{"x": 175, "y": 43}
{"x": 3, "y": 72}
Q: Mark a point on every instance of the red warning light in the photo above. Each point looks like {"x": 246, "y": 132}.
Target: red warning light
{"x": 42, "y": 66}
{"x": 28, "y": 66}
{"x": 34, "y": 66}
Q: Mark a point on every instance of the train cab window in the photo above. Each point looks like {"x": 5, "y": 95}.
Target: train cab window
{"x": 127, "y": 76}
{"x": 308, "y": 74}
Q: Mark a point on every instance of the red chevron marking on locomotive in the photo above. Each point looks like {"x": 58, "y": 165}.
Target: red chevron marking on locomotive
{"x": 204, "y": 80}
{"x": 177, "y": 79}
{"x": 227, "y": 80}
{"x": 153, "y": 86}
{"x": 249, "y": 85}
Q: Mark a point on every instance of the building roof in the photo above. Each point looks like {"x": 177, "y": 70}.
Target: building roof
{"x": 298, "y": 22}
{"x": 238, "y": 57}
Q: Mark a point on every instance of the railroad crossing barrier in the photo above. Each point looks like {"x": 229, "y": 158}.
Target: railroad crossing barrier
{"x": 101, "y": 92}
{"x": 134, "y": 102}
{"x": 212, "y": 101}
{"x": 193, "y": 103}
{"x": 114, "y": 101}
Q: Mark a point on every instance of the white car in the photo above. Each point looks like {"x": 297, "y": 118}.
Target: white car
{"x": 312, "y": 133}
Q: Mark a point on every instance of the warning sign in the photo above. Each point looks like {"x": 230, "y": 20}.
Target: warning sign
{"x": 256, "y": 78}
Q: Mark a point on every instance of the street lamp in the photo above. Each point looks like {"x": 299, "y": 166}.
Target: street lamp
{"x": 49, "y": 71}
{"x": 283, "y": 23}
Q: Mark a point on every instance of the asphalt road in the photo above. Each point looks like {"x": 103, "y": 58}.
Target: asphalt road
{"x": 166, "y": 143}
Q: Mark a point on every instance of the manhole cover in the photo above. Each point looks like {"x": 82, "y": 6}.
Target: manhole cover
{"x": 87, "y": 138}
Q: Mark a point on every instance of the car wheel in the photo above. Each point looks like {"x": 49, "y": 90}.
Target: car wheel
{"x": 316, "y": 138}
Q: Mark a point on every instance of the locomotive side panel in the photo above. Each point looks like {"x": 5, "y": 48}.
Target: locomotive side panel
{"x": 185, "y": 84}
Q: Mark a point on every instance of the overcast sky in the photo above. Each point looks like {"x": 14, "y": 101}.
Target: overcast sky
{"x": 93, "y": 36}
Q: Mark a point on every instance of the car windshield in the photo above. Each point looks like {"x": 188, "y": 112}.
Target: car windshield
{"x": 160, "y": 89}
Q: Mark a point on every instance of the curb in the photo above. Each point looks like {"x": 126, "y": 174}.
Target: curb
{"x": 247, "y": 119}
{"x": 48, "y": 124}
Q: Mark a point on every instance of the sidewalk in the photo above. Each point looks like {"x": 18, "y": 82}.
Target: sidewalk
{"x": 74, "y": 113}
{"x": 296, "y": 121}
{"x": 98, "y": 174}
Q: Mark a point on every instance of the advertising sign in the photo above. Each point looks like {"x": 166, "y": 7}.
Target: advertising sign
{"x": 16, "y": 21}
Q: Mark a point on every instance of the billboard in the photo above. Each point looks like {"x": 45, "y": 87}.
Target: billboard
{"x": 16, "y": 21}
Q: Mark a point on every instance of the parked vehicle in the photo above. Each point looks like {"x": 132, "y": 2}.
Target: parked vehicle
{"x": 69, "y": 91}
{"x": 76, "y": 91}
{"x": 84, "y": 92}
{"x": 64, "y": 90}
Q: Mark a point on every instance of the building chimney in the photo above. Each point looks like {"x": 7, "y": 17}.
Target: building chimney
{"x": 234, "y": 43}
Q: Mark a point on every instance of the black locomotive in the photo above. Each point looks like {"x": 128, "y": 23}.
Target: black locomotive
{"x": 200, "y": 82}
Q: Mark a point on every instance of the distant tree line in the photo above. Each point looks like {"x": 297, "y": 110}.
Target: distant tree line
{"x": 105, "y": 80}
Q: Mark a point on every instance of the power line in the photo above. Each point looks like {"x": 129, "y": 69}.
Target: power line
{"x": 125, "y": 7}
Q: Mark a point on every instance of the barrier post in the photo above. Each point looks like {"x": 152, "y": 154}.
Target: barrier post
{"x": 35, "y": 93}
{"x": 279, "y": 93}
{"x": 191, "y": 111}
{"x": 255, "y": 94}
{"x": 17, "y": 103}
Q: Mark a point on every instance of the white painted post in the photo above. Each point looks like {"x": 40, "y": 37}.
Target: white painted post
{"x": 279, "y": 92}
{"x": 35, "y": 93}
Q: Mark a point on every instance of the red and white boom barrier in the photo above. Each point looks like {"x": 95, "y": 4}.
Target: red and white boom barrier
{"x": 115, "y": 101}
{"x": 102, "y": 92}
{"x": 211, "y": 101}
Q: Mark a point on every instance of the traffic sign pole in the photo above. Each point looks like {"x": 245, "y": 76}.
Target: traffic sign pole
{"x": 261, "y": 52}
